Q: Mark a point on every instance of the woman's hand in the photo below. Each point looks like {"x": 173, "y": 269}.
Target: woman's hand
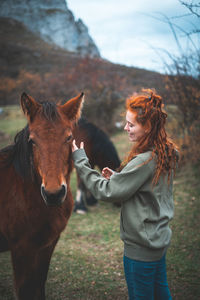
{"x": 107, "y": 173}
{"x": 75, "y": 147}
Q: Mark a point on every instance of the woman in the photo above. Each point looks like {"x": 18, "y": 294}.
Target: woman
{"x": 143, "y": 186}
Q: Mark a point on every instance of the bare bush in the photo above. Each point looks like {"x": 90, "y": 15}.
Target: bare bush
{"x": 183, "y": 81}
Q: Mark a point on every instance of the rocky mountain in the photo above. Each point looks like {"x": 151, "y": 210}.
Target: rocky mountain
{"x": 53, "y": 22}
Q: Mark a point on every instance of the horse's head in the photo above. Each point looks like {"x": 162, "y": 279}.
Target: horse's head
{"x": 50, "y": 133}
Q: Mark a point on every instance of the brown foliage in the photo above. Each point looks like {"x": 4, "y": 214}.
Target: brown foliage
{"x": 186, "y": 95}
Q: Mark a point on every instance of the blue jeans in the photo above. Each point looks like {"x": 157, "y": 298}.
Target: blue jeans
{"x": 146, "y": 280}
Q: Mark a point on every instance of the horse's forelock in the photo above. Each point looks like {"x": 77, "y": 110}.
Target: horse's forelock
{"x": 49, "y": 111}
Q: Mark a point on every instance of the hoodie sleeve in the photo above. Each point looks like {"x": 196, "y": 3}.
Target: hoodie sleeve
{"x": 120, "y": 187}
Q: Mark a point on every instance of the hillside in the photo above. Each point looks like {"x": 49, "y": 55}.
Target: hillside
{"x": 27, "y": 63}
{"x": 22, "y": 49}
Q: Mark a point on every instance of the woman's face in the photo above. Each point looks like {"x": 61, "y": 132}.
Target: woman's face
{"x": 134, "y": 129}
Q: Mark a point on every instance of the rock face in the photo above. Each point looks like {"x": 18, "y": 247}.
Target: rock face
{"x": 53, "y": 21}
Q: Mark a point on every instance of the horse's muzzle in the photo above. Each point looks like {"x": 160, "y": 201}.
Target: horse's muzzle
{"x": 56, "y": 198}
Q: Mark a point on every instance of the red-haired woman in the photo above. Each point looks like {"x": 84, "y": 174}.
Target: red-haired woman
{"x": 143, "y": 186}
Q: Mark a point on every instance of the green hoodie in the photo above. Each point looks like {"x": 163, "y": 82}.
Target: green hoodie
{"x": 145, "y": 209}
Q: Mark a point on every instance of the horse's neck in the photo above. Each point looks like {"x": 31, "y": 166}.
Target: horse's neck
{"x": 6, "y": 155}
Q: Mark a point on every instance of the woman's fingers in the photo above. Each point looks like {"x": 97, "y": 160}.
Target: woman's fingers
{"x": 106, "y": 172}
{"x": 75, "y": 147}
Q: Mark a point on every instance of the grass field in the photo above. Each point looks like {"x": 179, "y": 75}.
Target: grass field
{"x": 87, "y": 261}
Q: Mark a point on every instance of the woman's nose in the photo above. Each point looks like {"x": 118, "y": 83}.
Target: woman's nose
{"x": 126, "y": 127}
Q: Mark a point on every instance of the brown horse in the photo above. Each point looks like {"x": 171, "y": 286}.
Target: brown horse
{"x": 35, "y": 197}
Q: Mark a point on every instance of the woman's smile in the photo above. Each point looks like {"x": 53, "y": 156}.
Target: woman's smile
{"x": 134, "y": 129}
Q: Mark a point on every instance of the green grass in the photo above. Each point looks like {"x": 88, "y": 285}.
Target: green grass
{"x": 88, "y": 258}
{"x": 184, "y": 253}
{"x": 87, "y": 261}
{"x": 12, "y": 120}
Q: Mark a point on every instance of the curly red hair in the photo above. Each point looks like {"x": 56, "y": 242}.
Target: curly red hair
{"x": 150, "y": 114}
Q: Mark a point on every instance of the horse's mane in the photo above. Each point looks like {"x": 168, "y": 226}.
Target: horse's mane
{"x": 20, "y": 154}
{"x": 101, "y": 142}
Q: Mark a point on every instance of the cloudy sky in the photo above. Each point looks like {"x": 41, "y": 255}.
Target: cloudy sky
{"x": 134, "y": 32}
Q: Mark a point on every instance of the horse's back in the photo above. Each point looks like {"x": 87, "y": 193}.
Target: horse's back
{"x": 98, "y": 146}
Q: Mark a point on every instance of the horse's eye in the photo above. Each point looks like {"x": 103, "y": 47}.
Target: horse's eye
{"x": 69, "y": 138}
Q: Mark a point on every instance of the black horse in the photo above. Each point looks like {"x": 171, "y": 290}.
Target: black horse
{"x": 101, "y": 153}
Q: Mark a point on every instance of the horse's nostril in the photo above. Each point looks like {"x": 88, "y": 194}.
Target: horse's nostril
{"x": 55, "y": 198}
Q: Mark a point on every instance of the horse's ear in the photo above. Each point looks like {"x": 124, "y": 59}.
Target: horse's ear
{"x": 72, "y": 108}
{"x": 29, "y": 106}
